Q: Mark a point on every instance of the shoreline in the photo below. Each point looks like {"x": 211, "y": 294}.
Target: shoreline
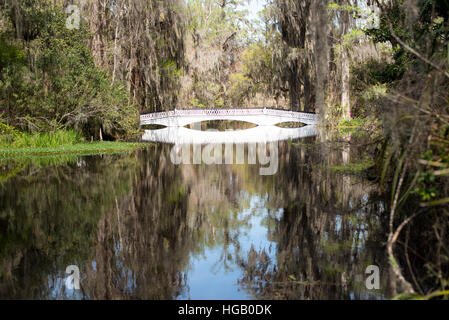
{"x": 83, "y": 148}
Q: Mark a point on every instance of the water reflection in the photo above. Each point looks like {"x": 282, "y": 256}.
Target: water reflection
{"x": 221, "y": 125}
{"x": 139, "y": 226}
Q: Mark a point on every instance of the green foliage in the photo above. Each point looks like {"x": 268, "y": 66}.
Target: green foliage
{"x": 241, "y": 87}
{"x": 354, "y": 122}
{"x": 170, "y": 67}
{"x": 345, "y": 7}
{"x": 212, "y": 21}
{"x": 426, "y": 186}
{"x": 351, "y": 36}
{"x": 430, "y": 179}
{"x": 430, "y": 296}
{"x": 8, "y": 134}
{"x": 10, "y": 55}
{"x": 334, "y": 117}
{"x": 257, "y": 62}
{"x": 57, "y": 85}
{"x": 395, "y": 15}
{"x": 196, "y": 103}
{"x": 429, "y": 31}
{"x": 255, "y": 76}
{"x": 410, "y": 94}
{"x": 389, "y": 72}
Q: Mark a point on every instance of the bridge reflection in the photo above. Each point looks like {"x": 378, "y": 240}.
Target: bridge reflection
{"x": 259, "y": 116}
{"x": 260, "y": 134}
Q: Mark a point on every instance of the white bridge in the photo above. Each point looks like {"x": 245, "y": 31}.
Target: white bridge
{"x": 265, "y": 132}
{"x": 259, "y": 116}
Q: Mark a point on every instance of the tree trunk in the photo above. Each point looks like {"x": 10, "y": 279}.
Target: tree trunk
{"x": 345, "y": 71}
{"x": 321, "y": 54}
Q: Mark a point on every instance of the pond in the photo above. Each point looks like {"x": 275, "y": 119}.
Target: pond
{"x": 140, "y": 226}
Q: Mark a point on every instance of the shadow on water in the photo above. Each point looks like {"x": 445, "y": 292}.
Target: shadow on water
{"x": 138, "y": 226}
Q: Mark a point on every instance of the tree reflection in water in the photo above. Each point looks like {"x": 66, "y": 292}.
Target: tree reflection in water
{"x": 135, "y": 225}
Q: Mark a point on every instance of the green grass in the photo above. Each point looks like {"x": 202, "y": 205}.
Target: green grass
{"x": 353, "y": 167}
{"x": 84, "y": 148}
{"x": 60, "y": 142}
{"x": 49, "y": 139}
{"x": 11, "y": 138}
{"x": 357, "y": 125}
{"x": 353, "y": 123}
{"x": 14, "y": 161}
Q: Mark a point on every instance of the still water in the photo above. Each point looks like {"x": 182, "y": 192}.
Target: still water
{"x": 140, "y": 227}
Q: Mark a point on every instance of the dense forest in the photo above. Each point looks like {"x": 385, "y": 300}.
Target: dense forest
{"x": 92, "y": 67}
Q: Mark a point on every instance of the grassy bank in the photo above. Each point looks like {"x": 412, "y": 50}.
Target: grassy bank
{"x": 17, "y": 144}
{"x": 84, "y": 148}
{"x": 356, "y": 167}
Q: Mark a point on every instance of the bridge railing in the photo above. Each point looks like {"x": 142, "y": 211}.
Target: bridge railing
{"x": 228, "y": 112}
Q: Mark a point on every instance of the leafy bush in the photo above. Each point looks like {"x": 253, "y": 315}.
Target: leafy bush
{"x": 58, "y": 85}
